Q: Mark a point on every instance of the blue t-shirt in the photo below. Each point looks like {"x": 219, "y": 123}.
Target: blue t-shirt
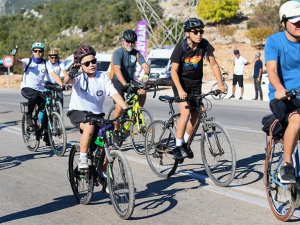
{"x": 287, "y": 54}
{"x": 257, "y": 66}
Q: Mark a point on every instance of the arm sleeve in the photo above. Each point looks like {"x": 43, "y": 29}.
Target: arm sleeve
{"x": 62, "y": 66}
{"x": 49, "y": 67}
{"x": 141, "y": 58}
{"x": 24, "y": 61}
{"x": 177, "y": 53}
{"x": 271, "y": 50}
{"x": 210, "y": 49}
{"x": 117, "y": 57}
{"x": 109, "y": 87}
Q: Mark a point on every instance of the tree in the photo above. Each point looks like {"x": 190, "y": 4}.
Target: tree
{"x": 258, "y": 35}
{"x": 217, "y": 10}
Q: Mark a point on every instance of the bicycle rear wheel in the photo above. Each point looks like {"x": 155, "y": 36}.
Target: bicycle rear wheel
{"x": 121, "y": 185}
{"x": 218, "y": 154}
{"x": 57, "y": 134}
{"x": 81, "y": 181}
{"x": 221, "y": 95}
{"x": 159, "y": 143}
{"x": 278, "y": 196}
{"x": 138, "y": 130}
{"x": 30, "y": 139}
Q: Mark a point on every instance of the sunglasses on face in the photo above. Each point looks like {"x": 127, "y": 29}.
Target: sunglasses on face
{"x": 131, "y": 42}
{"x": 87, "y": 64}
{"x": 38, "y": 51}
{"x": 197, "y": 32}
{"x": 53, "y": 57}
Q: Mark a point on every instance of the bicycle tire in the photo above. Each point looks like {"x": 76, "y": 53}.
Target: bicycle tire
{"x": 137, "y": 135}
{"x": 221, "y": 95}
{"x": 218, "y": 153}
{"x": 30, "y": 139}
{"x": 278, "y": 197}
{"x": 159, "y": 143}
{"x": 58, "y": 108}
{"x": 121, "y": 185}
{"x": 57, "y": 133}
{"x": 79, "y": 178}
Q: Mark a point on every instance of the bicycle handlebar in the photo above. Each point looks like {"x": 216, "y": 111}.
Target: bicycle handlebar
{"x": 53, "y": 87}
{"x": 201, "y": 96}
{"x": 292, "y": 93}
{"x": 135, "y": 85}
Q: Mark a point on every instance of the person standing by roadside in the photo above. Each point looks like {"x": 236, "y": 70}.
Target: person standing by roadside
{"x": 257, "y": 73}
{"x": 238, "y": 73}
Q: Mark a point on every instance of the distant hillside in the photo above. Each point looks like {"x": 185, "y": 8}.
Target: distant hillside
{"x": 15, "y": 6}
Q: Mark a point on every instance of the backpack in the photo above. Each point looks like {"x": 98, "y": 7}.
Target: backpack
{"x": 271, "y": 125}
{"x": 112, "y": 70}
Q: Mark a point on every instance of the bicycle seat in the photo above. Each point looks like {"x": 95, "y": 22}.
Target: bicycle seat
{"x": 166, "y": 98}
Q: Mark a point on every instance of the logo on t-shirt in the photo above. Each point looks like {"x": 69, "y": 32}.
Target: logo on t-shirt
{"x": 99, "y": 93}
{"x": 192, "y": 62}
{"x": 133, "y": 58}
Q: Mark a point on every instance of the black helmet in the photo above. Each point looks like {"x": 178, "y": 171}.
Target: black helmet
{"x": 83, "y": 51}
{"x": 129, "y": 35}
{"x": 192, "y": 23}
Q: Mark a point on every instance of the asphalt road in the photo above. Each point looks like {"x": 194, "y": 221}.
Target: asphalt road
{"x": 34, "y": 187}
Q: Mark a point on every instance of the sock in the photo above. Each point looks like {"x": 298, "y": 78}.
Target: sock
{"x": 83, "y": 155}
{"x": 186, "y": 137}
{"x": 179, "y": 142}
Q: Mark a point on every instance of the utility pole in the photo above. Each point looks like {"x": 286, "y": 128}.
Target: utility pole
{"x": 2, "y": 7}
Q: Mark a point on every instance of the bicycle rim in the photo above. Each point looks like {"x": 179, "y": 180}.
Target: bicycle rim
{"x": 81, "y": 181}
{"x": 278, "y": 197}
{"x": 29, "y": 136}
{"x": 221, "y": 95}
{"x": 121, "y": 185}
{"x": 138, "y": 130}
{"x": 59, "y": 108}
{"x": 111, "y": 113}
{"x": 57, "y": 134}
{"x": 159, "y": 143}
{"x": 218, "y": 154}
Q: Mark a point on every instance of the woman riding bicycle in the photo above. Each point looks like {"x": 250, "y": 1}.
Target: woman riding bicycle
{"x": 88, "y": 95}
{"x": 283, "y": 67}
{"x": 187, "y": 74}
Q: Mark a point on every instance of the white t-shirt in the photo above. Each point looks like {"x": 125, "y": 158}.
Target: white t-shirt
{"x": 35, "y": 74}
{"x": 57, "y": 68}
{"x": 239, "y": 64}
{"x": 88, "y": 93}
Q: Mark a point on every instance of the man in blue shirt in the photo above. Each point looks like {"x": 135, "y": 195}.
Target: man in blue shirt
{"x": 282, "y": 57}
{"x": 258, "y": 68}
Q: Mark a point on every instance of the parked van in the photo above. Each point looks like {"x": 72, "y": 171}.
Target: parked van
{"x": 160, "y": 65}
{"x": 103, "y": 61}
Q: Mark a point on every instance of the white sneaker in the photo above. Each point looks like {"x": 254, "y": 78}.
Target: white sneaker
{"x": 83, "y": 163}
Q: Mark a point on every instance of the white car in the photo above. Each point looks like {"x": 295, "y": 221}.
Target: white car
{"x": 103, "y": 61}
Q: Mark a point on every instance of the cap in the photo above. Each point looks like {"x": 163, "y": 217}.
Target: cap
{"x": 257, "y": 54}
{"x": 290, "y": 10}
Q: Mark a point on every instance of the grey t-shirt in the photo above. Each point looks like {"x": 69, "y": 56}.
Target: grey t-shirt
{"x": 127, "y": 61}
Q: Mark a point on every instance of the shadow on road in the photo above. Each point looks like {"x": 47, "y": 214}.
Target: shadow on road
{"x": 9, "y": 124}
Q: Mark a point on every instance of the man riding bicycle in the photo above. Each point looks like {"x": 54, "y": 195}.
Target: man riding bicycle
{"x": 32, "y": 85}
{"x": 283, "y": 67}
{"x": 88, "y": 95}
{"x": 124, "y": 64}
{"x": 187, "y": 73}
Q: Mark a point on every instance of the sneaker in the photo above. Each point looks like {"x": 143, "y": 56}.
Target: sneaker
{"x": 179, "y": 152}
{"x": 240, "y": 98}
{"x": 286, "y": 174}
{"x": 254, "y": 98}
{"x": 188, "y": 151}
{"x": 232, "y": 96}
{"x": 116, "y": 139}
{"x": 83, "y": 163}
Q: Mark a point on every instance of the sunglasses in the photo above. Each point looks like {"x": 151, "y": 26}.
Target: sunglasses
{"x": 197, "y": 32}
{"x": 87, "y": 64}
{"x": 38, "y": 51}
{"x": 53, "y": 57}
{"x": 131, "y": 42}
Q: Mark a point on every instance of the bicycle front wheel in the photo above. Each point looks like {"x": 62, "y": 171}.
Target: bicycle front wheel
{"x": 57, "y": 134}
{"x": 138, "y": 130}
{"x": 159, "y": 143}
{"x": 30, "y": 139}
{"x": 278, "y": 196}
{"x": 120, "y": 184}
{"x": 218, "y": 154}
{"x": 81, "y": 181}
{"x": 58, "y": 108}
{"x": 221, "y": 95}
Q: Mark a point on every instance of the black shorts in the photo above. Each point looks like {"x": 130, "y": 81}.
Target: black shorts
{"x": 189, "y": 90}
{"x": 76, "y": 117}
{"x": 238, "y": 79}
{"x": 282, "y": 109}
{"x": 119, "y": 87}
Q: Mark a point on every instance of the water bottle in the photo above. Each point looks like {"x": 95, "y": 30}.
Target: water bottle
{"x": 99, "y": 141}
{"x": 41, "y": 116}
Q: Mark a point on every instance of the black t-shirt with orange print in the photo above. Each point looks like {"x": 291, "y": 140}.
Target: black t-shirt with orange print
{"x": 191, "y": 62}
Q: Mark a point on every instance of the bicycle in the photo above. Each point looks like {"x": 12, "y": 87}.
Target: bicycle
{"x": 282, "y": 198}
{"x": 118, "y": 176}
{"x": 217, "y": 150}
{"x": 51, "y": 121}
{"x": 141, "y": 118}
{"x": 214, "y": 87}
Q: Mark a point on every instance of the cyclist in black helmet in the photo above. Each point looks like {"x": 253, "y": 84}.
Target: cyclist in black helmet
{"x": 187, "y": 73}
{"x": 124, "y": 64}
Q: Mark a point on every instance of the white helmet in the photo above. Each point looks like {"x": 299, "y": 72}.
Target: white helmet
{"x": 290, "y": 11}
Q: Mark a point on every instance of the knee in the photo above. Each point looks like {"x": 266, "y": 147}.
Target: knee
{"x": 294, "y": 121}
